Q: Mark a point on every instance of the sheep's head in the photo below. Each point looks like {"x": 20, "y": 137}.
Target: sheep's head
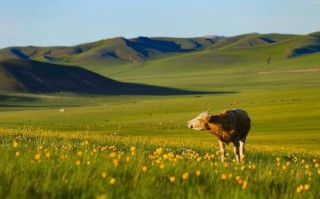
{"x": 199, "y": 123}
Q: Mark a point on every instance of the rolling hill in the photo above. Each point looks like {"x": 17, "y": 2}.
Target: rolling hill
{"x": 162, "y": 61}
{"x": 33, "y": 76}
{"x": 114, "y": 51}
{"x": 119, "y": 51}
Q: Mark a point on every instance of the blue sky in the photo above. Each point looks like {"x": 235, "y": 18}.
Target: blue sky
{"x": 70, "y": 22}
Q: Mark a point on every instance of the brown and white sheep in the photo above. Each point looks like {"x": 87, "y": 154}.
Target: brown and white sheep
{"x": 229, "y": 126}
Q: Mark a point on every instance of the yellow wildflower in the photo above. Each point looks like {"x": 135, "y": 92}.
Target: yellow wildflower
{"x": 112, "y": 181}
{"x": 132, "y": 148}
{"x": 306, "y": 187}
{"x": 223, "y": 176}
{"x": 113, "y": 154}
{"x": 104, "y": 174}
{"x": 48, "y": 154}
{"x": 112, "y": 147}
{"x": 185, "y": 176}
{"x": 284, "y": 167}
{"x": 239, "y": 180}
{"x": 245, "y": 184}
{"x": 159, "y": 151}
{"x": 115, "y": 162}
{"x": 17, "y": 154}
{"x": 300, "y": 188}
{"x": 78, "y": 162}
{"x": 179, "y": 157}
{"x": 171, "y": 155}
{"x": 102, "y": 197}
{"x": 172, "y": 179}
{"x": 198, "y": 172}
{"x": 144, "y": 168}
{"x": 37, "y": 156}
{"x": 15, "y": 144}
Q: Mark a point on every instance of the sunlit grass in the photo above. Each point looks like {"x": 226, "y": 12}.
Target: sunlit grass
{"x": 44, "y": 164}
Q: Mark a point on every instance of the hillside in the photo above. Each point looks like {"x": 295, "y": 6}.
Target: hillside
{"x": 110, "y": 51}
{"x": 163, "y": 61}
{"x": 119, "y": 51}
{"x": 33, "y": 76}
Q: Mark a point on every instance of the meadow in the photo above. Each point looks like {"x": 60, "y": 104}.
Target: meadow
{"x": 140, "y": 147}
{"x": 44, "y": 164}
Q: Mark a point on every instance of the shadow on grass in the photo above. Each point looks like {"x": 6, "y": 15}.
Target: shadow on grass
{"x": 40, "y": 77}
{"x": 12, "y": 98}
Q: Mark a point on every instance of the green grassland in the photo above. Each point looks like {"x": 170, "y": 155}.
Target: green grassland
{"x": 86, "y": 151}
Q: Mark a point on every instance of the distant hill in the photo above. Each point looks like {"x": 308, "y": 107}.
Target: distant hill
{"x": 110, "y": 51}
{"x": 118, "y": 51}
{"x": 150, "y": 61}
{"x": 33, "y": 76}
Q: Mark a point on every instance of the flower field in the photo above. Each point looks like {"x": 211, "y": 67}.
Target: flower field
{"x": 43, "y": 164}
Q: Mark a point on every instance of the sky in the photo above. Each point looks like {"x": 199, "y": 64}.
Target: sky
{"x": 71, "y": 22}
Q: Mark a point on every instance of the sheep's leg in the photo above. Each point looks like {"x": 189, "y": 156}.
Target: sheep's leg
{"x": 242, "y": 148}
{"x": 236, "y": 150}
{"x": 222, "y": 149}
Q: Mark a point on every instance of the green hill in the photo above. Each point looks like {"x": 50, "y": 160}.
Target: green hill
{"x": 33, "y": 76}
{"x": 173, "y": 62}
{"x": 120, "y": 51}
{"x": 110, "y": 51}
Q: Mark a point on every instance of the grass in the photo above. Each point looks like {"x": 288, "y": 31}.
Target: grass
{"x": 114, "y": 144}
{"x": 44, "y": 164}
{"x": 290, "y": 115}
{"x": 140, "y": 147}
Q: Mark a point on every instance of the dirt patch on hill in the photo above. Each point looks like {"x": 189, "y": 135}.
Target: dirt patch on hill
{"x": 305, "y": 70}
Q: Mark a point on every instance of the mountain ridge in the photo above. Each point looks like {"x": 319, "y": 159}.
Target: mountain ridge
{"x": 119, "y": 50}
{"x": 146, "y": 60}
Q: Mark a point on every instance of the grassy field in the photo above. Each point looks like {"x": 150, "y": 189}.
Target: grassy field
{"x": 45, "y": 164}
{"x": 140, "y": 147}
